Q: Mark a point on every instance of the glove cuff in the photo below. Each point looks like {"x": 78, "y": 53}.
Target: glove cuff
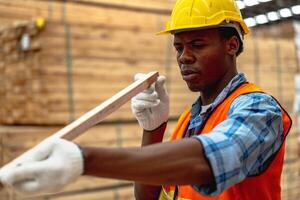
{"x": 83, "y": 157}
{"x": 77, "y": 162}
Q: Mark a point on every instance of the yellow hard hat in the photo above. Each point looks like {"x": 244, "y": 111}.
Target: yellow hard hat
{"x": 194, "y": 14}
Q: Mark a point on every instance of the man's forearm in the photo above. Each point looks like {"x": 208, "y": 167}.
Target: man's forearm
{"x": 172, "y": 163}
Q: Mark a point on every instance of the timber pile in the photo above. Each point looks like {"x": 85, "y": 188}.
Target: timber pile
{"x": 271, "y": 63}
{"x": 21, "y": 75}
{"x": 91, "y": 49}
{"x": 86, "y": 58}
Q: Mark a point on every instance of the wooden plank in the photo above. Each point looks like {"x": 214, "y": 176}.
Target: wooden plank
{"x": 99, "y": 113}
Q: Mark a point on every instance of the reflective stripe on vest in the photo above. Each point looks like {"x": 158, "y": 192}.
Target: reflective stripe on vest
{"x": 264, "y": 186}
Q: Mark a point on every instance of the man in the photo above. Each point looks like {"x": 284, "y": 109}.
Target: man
{"x": 228, "y": 145}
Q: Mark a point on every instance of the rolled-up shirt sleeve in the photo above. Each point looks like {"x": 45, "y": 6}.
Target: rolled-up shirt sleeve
{"x": 243, "y": 144}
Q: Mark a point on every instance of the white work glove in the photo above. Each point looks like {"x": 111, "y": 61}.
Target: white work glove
{"x": 151, "y": 107}
{"x": 46, "y": 168}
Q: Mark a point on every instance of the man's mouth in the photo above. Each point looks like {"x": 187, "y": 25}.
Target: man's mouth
{"x": 189, "y": 75}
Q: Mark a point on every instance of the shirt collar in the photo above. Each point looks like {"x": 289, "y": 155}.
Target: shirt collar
{"x": 231, "y": 86}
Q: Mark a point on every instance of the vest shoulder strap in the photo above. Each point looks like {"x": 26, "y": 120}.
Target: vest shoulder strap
{"x": 220, "y": 113}
{"x": 184, "y": 119}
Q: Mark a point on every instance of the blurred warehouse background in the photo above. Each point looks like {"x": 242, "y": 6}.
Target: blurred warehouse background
{"x": 58, "y": 59}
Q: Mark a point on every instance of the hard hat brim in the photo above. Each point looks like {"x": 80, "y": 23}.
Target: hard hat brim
{"x": 245, "y": 30}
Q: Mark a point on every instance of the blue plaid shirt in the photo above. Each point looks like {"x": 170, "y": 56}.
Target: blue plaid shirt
{"x": 244, "y": 143}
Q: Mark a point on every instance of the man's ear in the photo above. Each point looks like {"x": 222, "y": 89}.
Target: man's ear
{"x": 232, "y": 45}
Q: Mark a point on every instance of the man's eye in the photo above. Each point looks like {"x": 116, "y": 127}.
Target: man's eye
{"x": 197, "y": 45}
{"x": 179, "y": 49}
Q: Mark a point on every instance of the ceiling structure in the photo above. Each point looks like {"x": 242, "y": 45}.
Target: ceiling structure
{"x": 262, "y": 12}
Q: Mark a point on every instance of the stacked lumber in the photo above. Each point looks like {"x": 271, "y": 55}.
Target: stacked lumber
{"x": 21, "y": 74}
{"x": 271, "y": 63}
{"x": 87, "y": 58}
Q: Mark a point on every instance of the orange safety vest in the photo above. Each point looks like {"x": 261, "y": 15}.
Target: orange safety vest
{"x": 265, "y": 186}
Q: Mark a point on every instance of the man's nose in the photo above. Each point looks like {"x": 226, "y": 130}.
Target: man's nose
{"x": 186, "y": 57}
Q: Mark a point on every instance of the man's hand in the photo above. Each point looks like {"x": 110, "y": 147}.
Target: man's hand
{"x": 151, "y": 107}
{"x": 46, "y": 168}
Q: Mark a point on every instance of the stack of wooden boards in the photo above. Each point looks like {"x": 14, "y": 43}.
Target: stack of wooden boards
{"x": 21, "y": 75}
{"x": 91, "y": 49}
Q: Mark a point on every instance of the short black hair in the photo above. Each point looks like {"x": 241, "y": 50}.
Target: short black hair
{"x": 227, "y": 33}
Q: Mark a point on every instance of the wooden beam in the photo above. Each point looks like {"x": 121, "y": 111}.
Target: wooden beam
{"x": 100, "y": 112}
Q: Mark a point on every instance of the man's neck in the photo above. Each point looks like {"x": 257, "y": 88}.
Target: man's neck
{"x": 210, "y": 94}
